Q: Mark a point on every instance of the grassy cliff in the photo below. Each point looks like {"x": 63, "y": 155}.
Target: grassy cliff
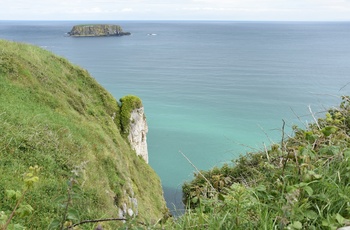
{"x": 55, "y": 115}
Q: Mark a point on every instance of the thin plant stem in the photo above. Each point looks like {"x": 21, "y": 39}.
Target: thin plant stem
{"x": 197, "y": 170}
{"x": 14, "y": 210}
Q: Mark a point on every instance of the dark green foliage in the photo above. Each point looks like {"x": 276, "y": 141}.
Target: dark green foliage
{"x": 128, "y": 104}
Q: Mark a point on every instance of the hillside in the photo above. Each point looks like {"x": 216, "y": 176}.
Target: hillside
{"x": 55, "y": 115}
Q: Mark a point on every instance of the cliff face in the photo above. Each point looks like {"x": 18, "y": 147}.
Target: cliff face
{"x": 134, "y": 125}
{"x": 55, "y": 115}
{"x": 97, "y": 30}
{"x": 137, "y": 133}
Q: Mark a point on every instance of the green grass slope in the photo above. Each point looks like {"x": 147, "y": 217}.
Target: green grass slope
{"x": 54, "y": 115}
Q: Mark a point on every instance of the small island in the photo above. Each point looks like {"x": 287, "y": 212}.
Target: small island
{"x": 97, "y": 30}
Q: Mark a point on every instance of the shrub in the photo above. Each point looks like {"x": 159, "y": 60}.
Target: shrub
{"x": 128, "y": 104}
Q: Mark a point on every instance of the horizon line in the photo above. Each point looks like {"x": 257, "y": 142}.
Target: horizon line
{"x": 208, "y": 20}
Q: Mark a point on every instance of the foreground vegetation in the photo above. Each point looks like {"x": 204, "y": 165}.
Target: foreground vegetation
{"x": 301, "y": 183}
{"x": 63, "y": 160}
{"x": 55, "y": 116}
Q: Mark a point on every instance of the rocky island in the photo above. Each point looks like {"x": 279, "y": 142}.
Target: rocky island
{"x": 97, "y": 30}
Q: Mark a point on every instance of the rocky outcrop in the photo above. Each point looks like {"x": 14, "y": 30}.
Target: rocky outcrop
{"x": 97, "y": 30}
{"x": 128, "y": 208}
{"x": 133, "y": 124}
{"x": 137, "y": 132}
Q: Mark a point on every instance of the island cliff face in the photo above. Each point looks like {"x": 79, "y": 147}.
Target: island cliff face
{"x": 97, "y": 30}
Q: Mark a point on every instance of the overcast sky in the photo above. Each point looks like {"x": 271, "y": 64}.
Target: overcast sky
{"x": 292, "y": 10}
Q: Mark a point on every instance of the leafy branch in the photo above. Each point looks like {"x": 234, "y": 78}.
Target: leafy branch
{"x": 29, "y": 179}
{"x": 101, "y": 220}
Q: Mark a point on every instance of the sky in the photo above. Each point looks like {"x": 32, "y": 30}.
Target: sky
{"x": 237, "y": 10}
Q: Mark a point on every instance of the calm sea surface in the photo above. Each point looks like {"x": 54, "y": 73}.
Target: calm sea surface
{"x": 212, "y": 90}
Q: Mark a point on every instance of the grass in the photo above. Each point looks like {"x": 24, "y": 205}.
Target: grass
{"x": 55, "y": 115}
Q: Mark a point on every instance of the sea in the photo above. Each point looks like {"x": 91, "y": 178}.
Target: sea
{"x": 212, "y": 90}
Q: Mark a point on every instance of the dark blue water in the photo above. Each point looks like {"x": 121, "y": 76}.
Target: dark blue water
{"x": 212, "y": 90}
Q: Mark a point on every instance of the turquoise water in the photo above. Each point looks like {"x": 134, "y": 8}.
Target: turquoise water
{"x": 212, "y": 90}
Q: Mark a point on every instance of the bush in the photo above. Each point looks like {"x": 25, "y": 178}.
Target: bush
{"x": 128, "y": 104}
